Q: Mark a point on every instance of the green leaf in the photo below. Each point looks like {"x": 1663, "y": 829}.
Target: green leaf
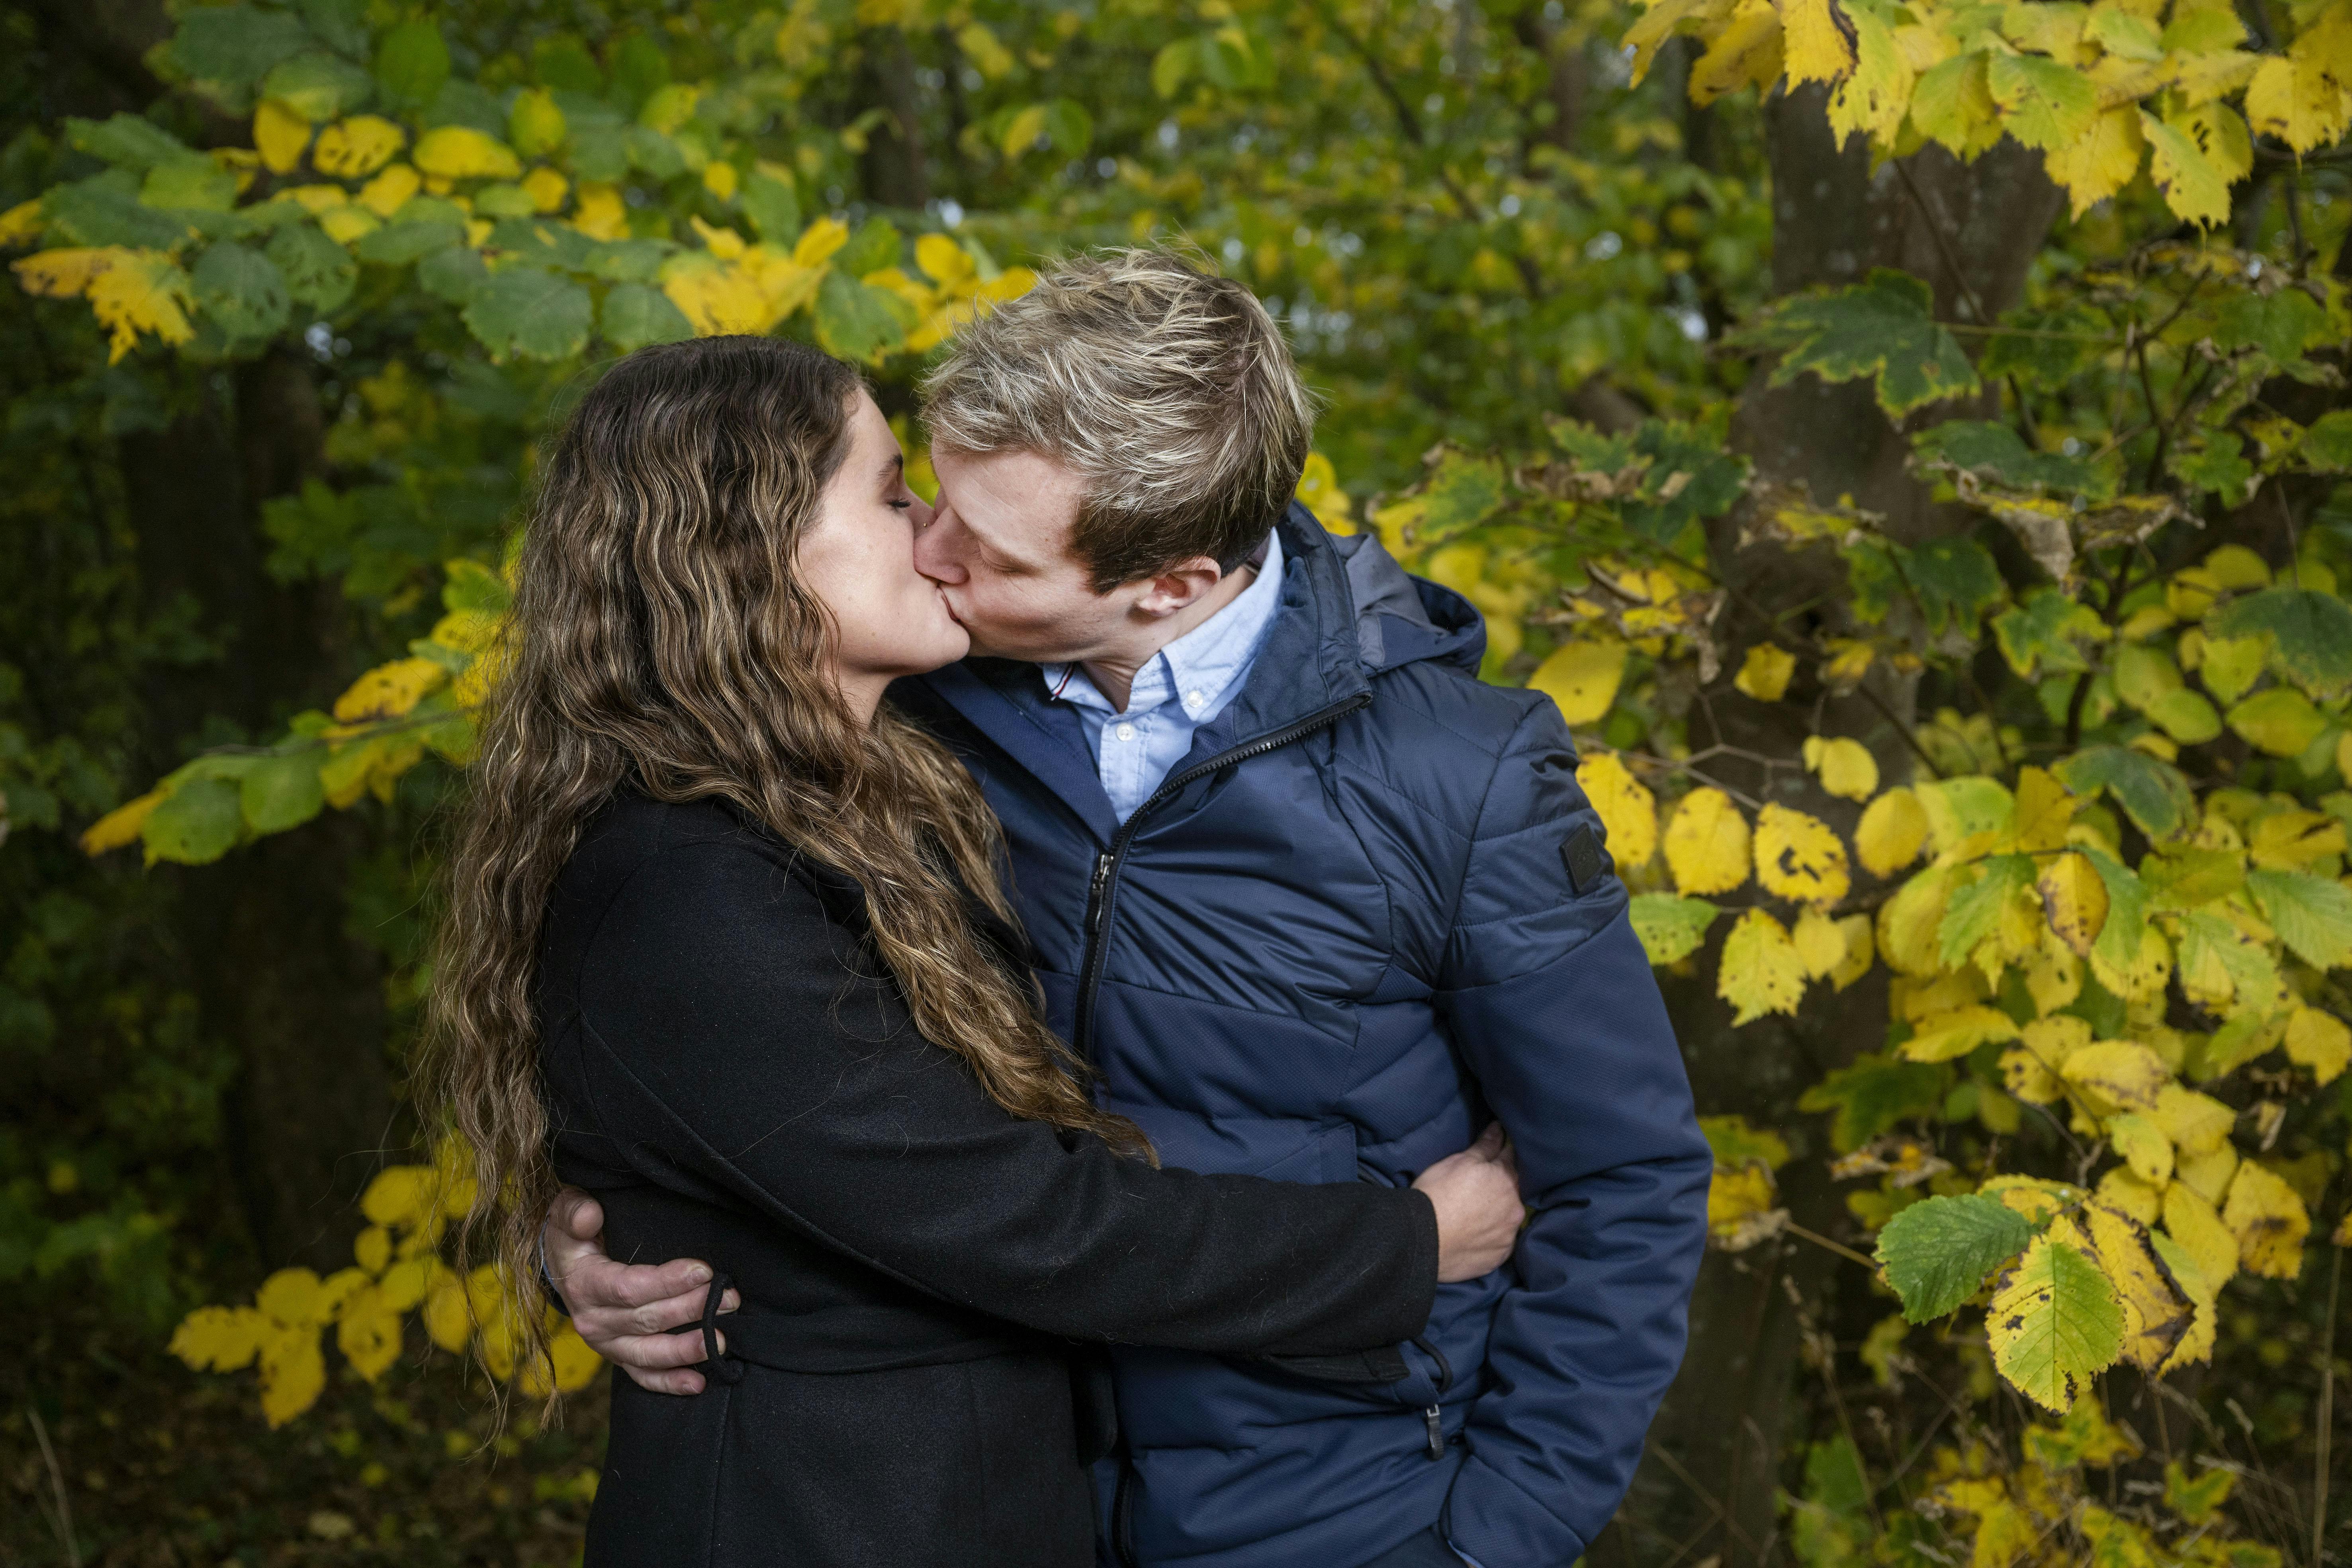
{"x": 2280, "y": 721}
{"x": 856, "y": 323}
{"x": 1873, "y": 1094}
{"x": 399, "y": 244}
{"x": 472, "y": 586}
{"x": 2218, "y": 466}
{"x": 1069, "y": 127}
{"x": 2327, "y": 445}
{"x": 341, "y": 25}
{"x": 105, "y": 210}
{"x": 2047, "y": 349}
{"x": 2152, "y": 793}
{"x": 189, "y": 183}
{"x": 1881, "y": 328}
{"x": 411, "y": 64}
{"x": 1972, "y": 912}
{"x": 454, "y": 274}
{"x": 1996, "y": 451}
{"x": 319, "y": 87}
{"x": 1938, "y": 1252}
{"x": 1955, "y": 581}
{"x": 1737, "y": 1145}
{"x": 563, "y": 62}
{"x": 2313, "y": 915}
{"x": 128, "y": 142}
{"x": 628, "y": 260}
{"x": 278, "y": 792}
{"x": 2119, "y": 940}
{"x": 654, "y": 153}
{"x": 242, "y": 290}
{"x": 640, "y": 69}
{"x": 2184, "y": 878}
{"x": 2186, "y": 716}
{"x": 1834, "y": 1479}
{"x": 319, "y": 272}
{"x": 1691, "y": 476}
{"x": 2311, "y": 636}
{"x": 226, "y": 49}
{"x": 2045, "y": 634}
{"x": 1173, "y": 63}
{"x": 196, "y": 824}
{"x": 634, "y": 315}
{"x": 1671, "y": 928}
{"x": 874, "y": 247}
{"x": 2054, "y": 1322}
{"x": 528, "y": 311}
{"x": 2045, "y": 105}
{"x": 772, "y": 206}
{"x": 2280, "y": 325}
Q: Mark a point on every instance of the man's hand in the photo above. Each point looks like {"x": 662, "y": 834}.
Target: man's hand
{"x": 1479, "y": 1212}
{"x": 625, "y": 1310}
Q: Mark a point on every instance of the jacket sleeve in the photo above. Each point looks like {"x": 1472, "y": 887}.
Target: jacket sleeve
{"x": 1552, "y": 1004}
{"x": 744, "y": 1037}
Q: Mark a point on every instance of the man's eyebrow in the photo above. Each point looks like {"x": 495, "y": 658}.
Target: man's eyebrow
{"x": 990, "y": 545}
{"x": 895, "y": 465}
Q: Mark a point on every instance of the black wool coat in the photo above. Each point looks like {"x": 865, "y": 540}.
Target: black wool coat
{"x": 734, "y": 1075}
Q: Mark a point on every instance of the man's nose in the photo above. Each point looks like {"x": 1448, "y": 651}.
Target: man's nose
{"x": 935, "y": 562}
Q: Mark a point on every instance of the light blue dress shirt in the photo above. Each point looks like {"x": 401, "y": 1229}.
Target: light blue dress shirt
{"x": 1182, "y": 687}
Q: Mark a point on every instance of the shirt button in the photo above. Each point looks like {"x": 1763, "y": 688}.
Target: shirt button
{"x": 1193, "y": 698}
{"x": 1126, "y": 731}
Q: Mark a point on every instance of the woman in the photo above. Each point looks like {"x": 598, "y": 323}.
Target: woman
{"x": 727, "y": 949}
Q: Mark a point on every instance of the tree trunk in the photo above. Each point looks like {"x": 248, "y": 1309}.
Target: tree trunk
{"x": 1719, "y": 1448}
{"x": 261, "y": 933}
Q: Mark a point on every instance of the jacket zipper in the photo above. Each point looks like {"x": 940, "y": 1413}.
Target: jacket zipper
{"x": 1434, "y": 1417}
{"x": 1103, "y": 887}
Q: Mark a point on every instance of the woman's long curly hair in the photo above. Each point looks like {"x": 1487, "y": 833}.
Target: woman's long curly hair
{"x": 660, "y": 639}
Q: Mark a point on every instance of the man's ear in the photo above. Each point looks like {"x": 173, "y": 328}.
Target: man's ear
{"x": 1167, "y": 591}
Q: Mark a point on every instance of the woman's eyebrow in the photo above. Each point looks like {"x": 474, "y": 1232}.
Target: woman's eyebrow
{"x": 895, "y": 466}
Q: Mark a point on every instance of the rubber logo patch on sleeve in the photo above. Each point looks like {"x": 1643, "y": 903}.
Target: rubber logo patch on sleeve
{"x": 1585, "y": 861}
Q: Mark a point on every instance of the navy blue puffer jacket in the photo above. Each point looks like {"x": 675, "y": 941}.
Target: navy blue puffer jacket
{"x": 1363, "y": 916}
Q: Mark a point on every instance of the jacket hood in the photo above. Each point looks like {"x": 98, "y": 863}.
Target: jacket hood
{"x": 1399, "y": 619}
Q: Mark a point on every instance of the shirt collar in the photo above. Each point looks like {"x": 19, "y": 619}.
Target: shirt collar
{"x": 1198, "y": 667}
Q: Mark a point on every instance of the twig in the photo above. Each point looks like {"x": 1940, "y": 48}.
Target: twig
{"x": 64, "y": 1520}
{"x": 1802, "y": 1234}
{"x": 1901, "y": 729}
{"x": 1730, "y": 1524}
{"x": 1406, "y": 118}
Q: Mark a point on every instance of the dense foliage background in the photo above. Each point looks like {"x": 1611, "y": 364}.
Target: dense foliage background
{"x": 1916, "y": 427}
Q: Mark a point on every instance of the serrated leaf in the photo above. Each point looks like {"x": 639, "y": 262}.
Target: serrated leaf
{"x": 2101, "y": 161}
{"x": 2153, "y": 794}
{"x": 1936, "y": 1252}
{"x": 2318, "y": 1040}
{"x": 2313, "y": 915}
{"x": 2269, "y": 1221}
{"x": 2053, "y": 1323}
{"x": 319, "y": 272}
{"x": 1952, "y": 104}
{"x": 634, "y": 316}
{"x": 280, "y": 793}
{"x": 2280, "y": 721}
{"x": 1760, "y": 971}
{"x": 227, "y": 49}
{"x": 196, "y": 824}
{"x": 242, "y": 291}
{"x": 1941, "y": 1037}
{"x": 412, "y": 63}
{"x": 855, "y": 321}
{"x": 533, "y": 313}
{"x": 1873, "y": 1094}
{"x": 1881, "y": 327}
{"x": 1670, "y": 927}
{"x": 2193, "y": 188}
{"x": 1581, "y": 676}
{"x": 1972, "y": 910}
{"x": 2045, "y": 105}
{"x": 1628, "y": 810}
{"x": 1706, "y": 844}
{"x": 2310, "y": 633}
{"x": 2075, "y": 901}
{"x": 2119, "y": 1071}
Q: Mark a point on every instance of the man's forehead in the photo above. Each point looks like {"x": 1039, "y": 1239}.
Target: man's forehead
{"x": 1016, "y": 499}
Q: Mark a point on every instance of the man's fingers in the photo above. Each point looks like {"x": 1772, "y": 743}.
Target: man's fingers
{"x": 576, "y": 1215}
{"x": 1490, "y": 1142}
{"x": 653, "y": 1317}
{"x": 655, "y": 1353}
{"x": 599, "y": 1282}
{"x": 666, "y": 1381}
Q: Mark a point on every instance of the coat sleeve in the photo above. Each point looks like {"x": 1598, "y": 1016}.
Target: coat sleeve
{"x": 748, "y": 1041}
{"x": 1552, "y": 1004}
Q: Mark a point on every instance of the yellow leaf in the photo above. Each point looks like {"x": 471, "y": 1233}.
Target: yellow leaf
{"x": 219, "y": 1339}
{"x": 389, "y": 691}
{"x": 1764, "y": 673}
{"x": 818, "y": 242}
{"x": 1024, "y": 131}
{"x": 1871, "y": 102}
{"x": 21, "y": 224}
{"x": 2054, "y": 975}
{"x": 2319, "y": 1041}
{"x": 2298, "y": 98}
{"x": 293, "y": 1299}
{"x": 2143, "y": 979}
{"x": 279, "y": 135}
{"x": 373, "y": 1249}
{"x": 2074, "y": 898}
{"x": 1952, "y": 104}
{"x": 547, "y": 189}
{"x": 600, "y": 213}
{"x": 1859, "y": 951}
{"x": 2026, "y": 1076}
{"x": 406, "y": 1284}
{"x": 369, "y": 1338}
{"x": 573, "y": 1363}
{"x": 537, "y": 126}
{"x": 1706, "y": 844}
{"x": 1850, "y": 659}
{"x": 950, "y": 266}
{"x": 1739, "y": 1209}
{"x": 1944, "y": 1036}
{"x": 1908, "y": 922}
{"x": 2269, "y": 1221}
{"x": 2195, "y": 1224}
{"x": 722, "y": 243}
{"x": 2119, "y": 1071}
{"x": 346, "y": 224}
{"x": 1745, "y": 53}
{"x": 2193, "y": 188}
{"x": 2144, "y": 1147}
{"x": 2102, "y": 161}
{"x": 1582, "y": 676}
{"x": 1661, "y": 21}
{"x": 2126, "y": 1192}
{"x": 1629, "y": 812}
{"x": 1820, "y": 942}
{"x": 1893, "y": 830}
{"x": 2196, "y": 1123}
{"x": 1760, "y": 971}
{"x": 2155, "y": 1314}
{"x": 293, "y": 1374}
{"x": 1799, "y": 857}
{"x": 1818, "y": 41}
{"x": 2208, "y": 1175}
{"x": 447, "y": 1318}
{"x": 400, "y": 1196}
{"x": 2220, "y": 132}
{"x": 462, "y": 153}
{"x": 2054, "y": 1322}
{"x": 120, "y": 827}
{"x": 355, "y": 148}
{"x": 1846, "y": 767}
{"x": 389, "y": 190}
{"x": 1319, "y": 482}
{"x": 129, "y": 292}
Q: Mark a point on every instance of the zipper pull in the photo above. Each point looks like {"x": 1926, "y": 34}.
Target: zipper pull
{"x": 1095, "y": 892}
{"x": 1436, "y": 1433}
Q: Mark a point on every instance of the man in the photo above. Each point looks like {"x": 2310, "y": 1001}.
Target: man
{"x": 1316, "y": 904}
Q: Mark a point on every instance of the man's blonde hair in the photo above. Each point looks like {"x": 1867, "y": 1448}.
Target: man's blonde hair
{"x": 1168, "y": 391}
